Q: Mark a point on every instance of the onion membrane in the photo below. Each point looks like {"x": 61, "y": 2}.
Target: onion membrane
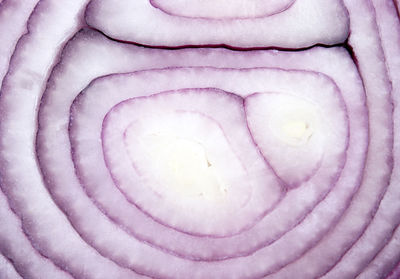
{"x": 124, "y": 161}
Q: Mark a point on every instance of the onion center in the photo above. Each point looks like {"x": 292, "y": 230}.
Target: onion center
{"x": 295, "y": 121}
{"x": 184, "y": 165}
{"x": 296, "y": 130}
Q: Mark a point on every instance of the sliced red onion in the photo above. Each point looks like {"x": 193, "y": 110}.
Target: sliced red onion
{"x": 241, "y": 183}
{"x": 48, "y": 101}
{"x": 65, "y": 216}
{"x": 83, "y": 211}
{"x": 87, "y": 108}
{"x": 304, "y": 23}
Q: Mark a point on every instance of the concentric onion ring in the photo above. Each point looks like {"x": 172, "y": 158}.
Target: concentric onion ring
{"x": 222, "y": 10}
{"x": 302, "y": 24}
